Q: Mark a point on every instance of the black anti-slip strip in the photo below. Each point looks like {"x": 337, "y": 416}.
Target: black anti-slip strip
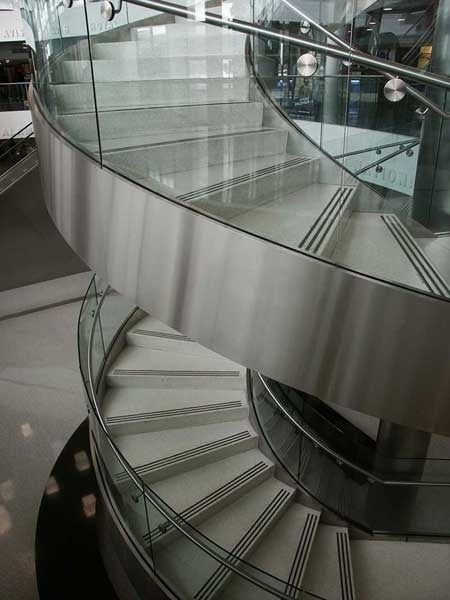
{"x": 228, "y": 183}
{"x": 332, "y": 218}
{"x": 217, "y": 578}
{"x": 164, "y": 373}
{"x": 415, "y": 253}
{"x": 174, "y": 458}
{"x": 173, "y": 412}
{"x": 160, "y": 334}
{"x": 421, "y": 272}
{"x": 216, "y": 495}
{"x": 301, "y": 555}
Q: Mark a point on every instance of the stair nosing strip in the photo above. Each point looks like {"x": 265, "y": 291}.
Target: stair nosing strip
{"x": 317, "y": 222}
{"x": 241, "y": 547}
{"x": 333, "y": 217}
{"x": 190, "y": 453}
{"x": 240, "y": 179}
{"x": 161, "y": 334}
{"x": 218, "y": 493}
{"x": 170, "y": 373}
{"x": 417, "y": 267}
{"x": 173, "y": 412}
{"x": 436, "y": 279}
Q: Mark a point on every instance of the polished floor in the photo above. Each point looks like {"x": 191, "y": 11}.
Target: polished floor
{"x": 41, "y": 404}
{"x": 66, "y": 538}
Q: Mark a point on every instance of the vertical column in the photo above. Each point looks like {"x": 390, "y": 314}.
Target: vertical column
{"x": 431, "y": 201}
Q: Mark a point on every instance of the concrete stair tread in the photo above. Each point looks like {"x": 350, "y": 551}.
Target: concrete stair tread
{"x": 329, "y": 572}
{"x": 183, "y": 155}
{"x": 186, "y": 182}
{"x": 288, "y": 217}
{"x": 401, "y": 570}
{"x": 237, "y": 528}
{"x": 369, "y": 245}
{"x": 283, "y": 553}
{"x": 163, "y": 67}
{"x": 199, "y": 493}
{"x": 160, "y": 454}
{"x": 151, "y": 333}
{"x": 116, "y": 95}
{"x": 143, "y": 141}
{"x": 138, "y": 410}
{"x": 136, "y": 358}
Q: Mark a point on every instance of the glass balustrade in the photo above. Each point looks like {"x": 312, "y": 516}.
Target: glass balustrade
{"x": 224, "y": 122}
{"x": 143, "y": 513}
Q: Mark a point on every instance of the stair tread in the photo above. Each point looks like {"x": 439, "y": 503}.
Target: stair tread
{"x": 134, "y": 358}
{"x": 120, "y": 402}
{"x": 325, "y": 572}
{"x": 144, "y": 448}
{"x": 161, "y": 137}
{"x": 288, "y": 217}
{"x": 185, "y": 489}
{"x": 234, "y": 529}
{"x": 368, "y": 245}
{"x": 283, "y": 554}
{"x": 186, "y": 182}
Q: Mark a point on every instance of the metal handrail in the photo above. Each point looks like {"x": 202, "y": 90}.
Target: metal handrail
{"x": 379, "y": 147}
{"x": 149, "y": 494}
{"x": 378, "y": 64}
{"x": 4, "y": 144}
{"x": 349, "y": 54}
{"x": 375, "y": 163}
{"x": 371, "y": 477}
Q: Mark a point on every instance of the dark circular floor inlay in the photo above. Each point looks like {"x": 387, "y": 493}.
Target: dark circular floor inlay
{"x": 68, "y": 561}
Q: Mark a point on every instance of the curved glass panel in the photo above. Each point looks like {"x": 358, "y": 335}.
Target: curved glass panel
{"x": 187, "y": 103}
{"x": 341, "y": 467}
{"x": 145, "y": 514}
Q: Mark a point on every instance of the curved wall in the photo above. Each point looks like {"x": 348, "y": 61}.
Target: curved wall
{"x": 345, "y": 338}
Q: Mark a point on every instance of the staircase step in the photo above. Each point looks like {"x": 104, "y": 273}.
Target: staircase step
{"x": 151, "y": 333}
{"x": 137, "y": 410}
{"x": 283, "y": 554}
{"x": 239, "y": 194}
{"x": 174, "y": 42}
{"x": 308, "y": 218}
{"x": 198, "y": 494}
{"x": 178, "y": 450}
{"x": 148, "y": 368}
{"x": 378, "y": 244}
{"x": 197, "y": 153}
{"x": 178, "y": 120}
{"x": 237, "y": 529}
{"x": 178, "y": 67}
{"x": 329, "y": 572}
{"x": 78, "y": 97}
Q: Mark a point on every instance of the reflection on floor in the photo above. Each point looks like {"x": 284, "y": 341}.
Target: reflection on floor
{"x": 68, "y": 563}
{"x": 41, "y": 404}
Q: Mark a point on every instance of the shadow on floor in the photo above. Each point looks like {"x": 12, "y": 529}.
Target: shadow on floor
{"x": 31, "y": 247}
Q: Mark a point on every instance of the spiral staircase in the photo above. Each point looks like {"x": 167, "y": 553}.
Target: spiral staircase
{"x": 169, "y": 168}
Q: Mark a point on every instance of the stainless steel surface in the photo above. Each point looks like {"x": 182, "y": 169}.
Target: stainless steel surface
{"x": 346, "y": 338}
{"x": 307, "y": 64}
{"x": 395, "y": 90}
{"x": 355, "y": 56}
{"x": 107, "y": 11}
{"x": 377, "y": 163}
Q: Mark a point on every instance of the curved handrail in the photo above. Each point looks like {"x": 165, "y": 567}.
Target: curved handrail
{"x": 354, "y": 53}
{"x": 149, "y": 494}
{"x": 371, "y": 477}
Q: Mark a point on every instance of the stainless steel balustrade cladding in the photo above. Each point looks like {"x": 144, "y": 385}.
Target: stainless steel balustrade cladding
{"x": 414, "y": 503}
{"x": 206, "y": 278}
{"x": 139, "y": 509}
